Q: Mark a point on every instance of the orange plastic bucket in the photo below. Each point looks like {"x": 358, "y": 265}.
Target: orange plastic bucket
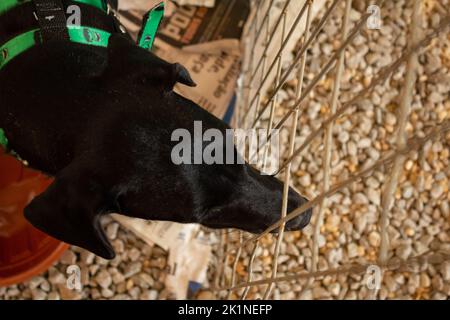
{"x": 24, "y": 251}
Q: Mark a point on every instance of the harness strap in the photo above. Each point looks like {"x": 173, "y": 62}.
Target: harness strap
{"x": 52, "y": 20}
{"x": 150, "y": 26}
{"x": 3, "y": 139}
{"x": 27, "y": 40}
{"x": 16, "y": 46}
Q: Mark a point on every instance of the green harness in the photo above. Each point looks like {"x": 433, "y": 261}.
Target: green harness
{"x": 77, "y": 34}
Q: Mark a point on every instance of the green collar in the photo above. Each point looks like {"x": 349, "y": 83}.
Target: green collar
{"x": 3, "y": 139}
{"x": 77, "y": 34}
{"x": 27, "y": 40}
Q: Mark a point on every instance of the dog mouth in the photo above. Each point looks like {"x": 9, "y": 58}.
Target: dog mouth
{"x": 296, "y": 224}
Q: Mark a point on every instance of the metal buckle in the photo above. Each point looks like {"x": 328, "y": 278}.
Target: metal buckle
{"x": 5, "y": 54}
{"x": 111, "y": 11}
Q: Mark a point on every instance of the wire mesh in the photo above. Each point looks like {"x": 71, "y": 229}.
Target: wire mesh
{"x": 265, "y": 74}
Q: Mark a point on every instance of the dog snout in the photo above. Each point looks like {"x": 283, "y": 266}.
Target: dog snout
{"x": 295, "y": 202}
{"x": 300, "y": 222}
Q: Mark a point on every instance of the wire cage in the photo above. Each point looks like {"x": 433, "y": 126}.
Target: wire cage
{"x": 347, "y": 103}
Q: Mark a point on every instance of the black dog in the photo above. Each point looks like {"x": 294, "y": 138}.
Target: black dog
{"x": 100, "y": 121}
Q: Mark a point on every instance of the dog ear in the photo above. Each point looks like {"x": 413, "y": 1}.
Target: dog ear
{"x": 128, "y": 61}
{"x": 165, "y": 75}
{"x": 70, "y": 211}
{"x": 182, "y": 76}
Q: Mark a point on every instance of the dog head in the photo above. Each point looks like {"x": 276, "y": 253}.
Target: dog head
{"x": 215, "y": 194}
{"x": 144, "y": 169}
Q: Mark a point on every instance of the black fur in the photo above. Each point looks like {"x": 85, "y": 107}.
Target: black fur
{"x": 100, "y": 121}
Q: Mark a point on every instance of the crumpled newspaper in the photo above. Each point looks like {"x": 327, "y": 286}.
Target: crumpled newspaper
{"x": 188, "y": 261}
{"x": 189, "y": 251}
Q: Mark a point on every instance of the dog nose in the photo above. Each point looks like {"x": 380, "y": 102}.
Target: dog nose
{"x": 300, "y": 222}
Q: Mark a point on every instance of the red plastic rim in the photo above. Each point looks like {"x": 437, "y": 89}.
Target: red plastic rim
{"x": 24, "y": 251}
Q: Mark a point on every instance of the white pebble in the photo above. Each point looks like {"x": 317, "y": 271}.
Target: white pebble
{"x": 343, "y": 137}
{"x": 305, "y": 180}
{"x": 364, "y": 143}
{"x": 408, "y": 192}
{"x": 403, "y": 251}
{"x": 111, "y": 230}
{"x": 374, "y": 239}
{"x": 103, "y": 279}
{"x": 352, "y": 250}
{"x": 374, "y": 196}
{"x": 437, "y": 191}
{"x": 352, "y": 149}
{"x": 68, "y": 258}
{"x": 445, "y": 270}
{"x": 87, "y": 257}
{"x": 38, "y": 294}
